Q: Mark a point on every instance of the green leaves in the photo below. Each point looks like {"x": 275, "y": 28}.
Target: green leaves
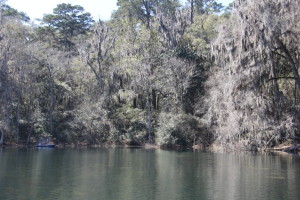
{"x": 145, "y": 10}
{"x": 66, "y": 22}
{"x": 202, "y": 32}
{"x": 10, "y": 12}
{"x": 69, "y": 20}
{"x": 207, "y": 6}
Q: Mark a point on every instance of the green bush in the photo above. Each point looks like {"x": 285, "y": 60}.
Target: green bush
{"x": 178, "y": 129}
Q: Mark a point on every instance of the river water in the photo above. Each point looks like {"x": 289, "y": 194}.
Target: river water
{"x": 129, "y": 174}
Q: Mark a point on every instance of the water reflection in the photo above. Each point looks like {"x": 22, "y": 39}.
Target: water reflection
{"x": 145, "y": 174}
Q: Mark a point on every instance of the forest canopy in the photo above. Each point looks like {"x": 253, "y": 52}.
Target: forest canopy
{"x": 157, "y": 72}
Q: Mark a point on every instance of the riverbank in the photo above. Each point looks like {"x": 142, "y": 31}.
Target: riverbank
{"x": 285, "y": 147}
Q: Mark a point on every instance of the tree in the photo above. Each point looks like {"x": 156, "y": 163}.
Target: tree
{"x": 201, "y": 33}
{"x": 253, "y": 90}
{"x": 14, "y": 37}
{"x": 65, "y": 23}
{"x": 9, "y": 12}
{"x": 144, "y": 10}
{"x": 204, "y": 7}
{"x": 97, "y": 53}
{"x": 172, "y": 27}
{"x": 207, "y": 6}
{"x": 5, "y": 85}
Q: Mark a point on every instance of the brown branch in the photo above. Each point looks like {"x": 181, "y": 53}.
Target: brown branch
{"x": 278, "y": 54}
{"x": 93, "y": 69}
{"x": 281, "y": 77}
{"x": 291, "y": 61}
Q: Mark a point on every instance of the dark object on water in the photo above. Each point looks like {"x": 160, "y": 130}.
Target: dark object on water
{"x": 254, "y": 147}
{"x": 46, "y": 145}
{"x": 41, "y": 144}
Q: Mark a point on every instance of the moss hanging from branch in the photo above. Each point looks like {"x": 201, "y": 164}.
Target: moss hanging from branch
{"x": 249, "y": 102}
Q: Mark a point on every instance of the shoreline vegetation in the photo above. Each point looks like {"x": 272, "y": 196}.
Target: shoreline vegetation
{"x": 287, "y": 147}
{"x": 194, "y": 76}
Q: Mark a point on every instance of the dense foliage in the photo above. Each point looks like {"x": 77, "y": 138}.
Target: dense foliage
{"x": 254, "y": 91}
{"x": 157, "y": 72}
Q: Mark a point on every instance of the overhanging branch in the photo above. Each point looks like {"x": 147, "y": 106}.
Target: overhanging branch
{"x": 281, "y": 77}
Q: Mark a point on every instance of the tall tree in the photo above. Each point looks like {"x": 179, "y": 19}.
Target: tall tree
{"x": 251, "y": 98}
{"x": 14, "y": 37}
{"x": 201, "y": 7}
{"x": 66, "y": 22}
{"x": 144, "y": 10}
{"x": 97, "y": 53}
{"x": 11, "y": 13}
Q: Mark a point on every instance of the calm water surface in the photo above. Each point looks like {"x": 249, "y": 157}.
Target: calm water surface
{"x": 129, "y": 174}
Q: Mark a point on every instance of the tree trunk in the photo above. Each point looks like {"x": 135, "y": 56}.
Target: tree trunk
{"x": 192, "y": 11}
{"x": 276, "y": 88}
{"x": 51, "y": 108}
{"x": 6, "y": 103}
{"x": 51, "y": 105}
{"x": 154, "y": 98}
{"x": 29, "y": 135}
{"x": 18, "y": 119}
{"x": 291, "y": 61}
{"x": 141, "y": 101}
{"x": 148, "y": 13}
{"x": 2, "y": 136}
{"x": 121, "y": 83}
{"x": 134, "y": 103}
{"x": 149, "y": 113}
{"x": 157, "y": 102}
{"x": 295, "y": 93}
{"x": 1, "y": 15}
